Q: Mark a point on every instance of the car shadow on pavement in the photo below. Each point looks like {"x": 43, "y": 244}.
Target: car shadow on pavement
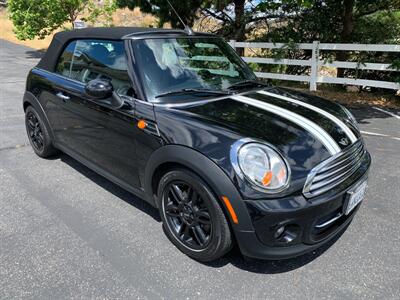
{"x": 364, "y": 114}
{"x": 234, "y": 257}
{"x": 35, "y": 53}
{"x": 112, "y": 187}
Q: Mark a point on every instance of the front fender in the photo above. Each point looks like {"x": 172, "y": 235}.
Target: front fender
{"x": 211, "y": 173}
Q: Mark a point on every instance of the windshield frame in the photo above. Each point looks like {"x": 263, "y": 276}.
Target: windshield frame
{"x": 139, "y": 73}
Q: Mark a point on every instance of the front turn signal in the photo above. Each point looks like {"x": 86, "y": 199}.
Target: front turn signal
{"x": 141, "y": 124}
{"x": 230, "y": 209}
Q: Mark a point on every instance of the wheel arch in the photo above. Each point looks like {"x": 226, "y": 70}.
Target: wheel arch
{"x": 30, "y": 100}
{"x": 178, "y": 156}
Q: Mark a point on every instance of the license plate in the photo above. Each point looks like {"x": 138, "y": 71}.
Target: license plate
{"x": 356, "y": 196}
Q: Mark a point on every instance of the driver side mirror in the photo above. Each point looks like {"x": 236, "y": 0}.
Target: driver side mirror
{"x": 103, "y": 91}
{"x": 99, "y": 89}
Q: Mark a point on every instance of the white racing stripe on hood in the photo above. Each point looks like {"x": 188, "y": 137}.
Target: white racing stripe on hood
{"x": 308, "y": 125}
{"x": 331, "y": 117}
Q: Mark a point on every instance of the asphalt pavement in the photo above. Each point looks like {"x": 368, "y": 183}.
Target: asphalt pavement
{"x": 66, "y": 232}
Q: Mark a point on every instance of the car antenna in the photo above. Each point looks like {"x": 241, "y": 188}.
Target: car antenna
{"x": 187, "y": 29}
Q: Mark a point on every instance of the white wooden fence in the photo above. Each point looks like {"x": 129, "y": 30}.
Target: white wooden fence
{"x": 315, "y": 63}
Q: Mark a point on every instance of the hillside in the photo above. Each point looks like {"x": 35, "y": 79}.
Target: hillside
{"x": 121, "y": 17}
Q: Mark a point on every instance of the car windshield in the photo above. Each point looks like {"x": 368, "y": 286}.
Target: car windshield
{"x": 176, "y": 69}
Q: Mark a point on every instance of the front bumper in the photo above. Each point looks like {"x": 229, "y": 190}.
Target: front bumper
{"x": 302, "y": 219}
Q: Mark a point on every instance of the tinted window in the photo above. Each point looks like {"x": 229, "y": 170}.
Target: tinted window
{"x": 85, "y": 60}
{"x": 64, "y": 62}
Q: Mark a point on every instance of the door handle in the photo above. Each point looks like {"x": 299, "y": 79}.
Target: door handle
{"x": 62, "y": 96}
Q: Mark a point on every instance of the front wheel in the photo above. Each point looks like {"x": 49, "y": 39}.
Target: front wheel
{"x": 192, "y": 216}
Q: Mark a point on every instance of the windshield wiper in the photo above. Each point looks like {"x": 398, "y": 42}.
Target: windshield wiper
{"x": 195, "y": 91}
{"x": 246, "y": 83}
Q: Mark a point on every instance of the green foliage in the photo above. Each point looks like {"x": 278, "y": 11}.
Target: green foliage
{"x": 33, "y": 18}
{"x": 320, "y": 21}
{"x": 372, "y": 22}
{"x": 379, "y": 27}
{"x": 396, "y": 65}
{"x": 101, "y": 12}
{"x": 39, "y": 18}
{"x": 382, "y": 27}
{"x": 239, "y": 18}
{"x": 236, "y": 18}
{"x": 276, "y": 5}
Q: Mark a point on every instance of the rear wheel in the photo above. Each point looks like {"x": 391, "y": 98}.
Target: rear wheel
{"x": 38, "y": 134}
{"x": 192, "y": 217}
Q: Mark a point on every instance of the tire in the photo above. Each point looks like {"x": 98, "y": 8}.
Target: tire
{"x": 196, "y": 224}
{"x": 38, "y": 134}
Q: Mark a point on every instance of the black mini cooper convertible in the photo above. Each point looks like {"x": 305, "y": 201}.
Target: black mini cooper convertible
{"x": 179, "y": 119}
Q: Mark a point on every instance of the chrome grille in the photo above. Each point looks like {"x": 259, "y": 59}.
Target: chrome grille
{"x": 334, "y": 170}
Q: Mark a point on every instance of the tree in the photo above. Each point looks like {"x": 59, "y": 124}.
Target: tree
{"x": 239, "y": 18}
{"x": 33, "y": 18}
{"x": 233, "y": 16}
{"x": 236, "y": 18}
{"x": 353, "y": 11}
{"x": 186, "y": 9}
{"x": 39, "y": 18}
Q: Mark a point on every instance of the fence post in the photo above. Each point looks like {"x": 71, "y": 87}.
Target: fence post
{"x": 314, "y": 66}
{"x": 232, "y": 43}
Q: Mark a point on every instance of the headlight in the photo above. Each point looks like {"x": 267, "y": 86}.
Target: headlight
{"x": 261, "y": 165}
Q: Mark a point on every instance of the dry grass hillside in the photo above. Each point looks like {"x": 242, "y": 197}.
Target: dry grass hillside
{"x": 121, "y": 17}
{"x": 126, "y": 17}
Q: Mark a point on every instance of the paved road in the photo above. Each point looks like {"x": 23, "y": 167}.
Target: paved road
{"x": 66, "y": 232}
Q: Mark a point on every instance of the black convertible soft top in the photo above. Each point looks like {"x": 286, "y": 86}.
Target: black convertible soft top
{"x": 61, "y": 39}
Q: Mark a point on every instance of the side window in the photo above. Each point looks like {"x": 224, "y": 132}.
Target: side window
{"x": 64, "y": 64}
{"x": 98, "y": 59}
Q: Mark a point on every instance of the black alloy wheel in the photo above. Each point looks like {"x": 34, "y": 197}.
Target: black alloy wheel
{"x": 35, "y": 132}
{"x": 38, "y": 134}
{"x": 187, "y": 215}
{"x": 192, "y": 216}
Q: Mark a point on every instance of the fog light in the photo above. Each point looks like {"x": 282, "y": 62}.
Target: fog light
{"x": 279, "y": 231}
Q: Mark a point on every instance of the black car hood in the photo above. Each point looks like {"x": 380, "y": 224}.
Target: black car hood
{"x": 212, "y": 126}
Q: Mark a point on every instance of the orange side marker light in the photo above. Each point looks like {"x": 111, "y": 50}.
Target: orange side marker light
{"x": 230, "y": 209}
{"x": 141, "y": 124}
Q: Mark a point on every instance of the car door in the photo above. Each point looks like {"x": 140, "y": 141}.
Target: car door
{"x": 100, "y": 134}
{"x": 77, "y": 122}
